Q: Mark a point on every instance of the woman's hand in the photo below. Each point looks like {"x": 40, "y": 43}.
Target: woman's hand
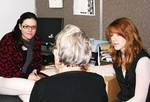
{"x": 34, "y": 75}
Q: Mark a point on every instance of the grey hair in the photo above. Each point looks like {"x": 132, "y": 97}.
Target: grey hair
{"x": 74, "y": 47}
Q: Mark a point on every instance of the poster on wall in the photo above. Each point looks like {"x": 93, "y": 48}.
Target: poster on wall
{"x": 55, "y": 3}
{"x": 84, "y": 7}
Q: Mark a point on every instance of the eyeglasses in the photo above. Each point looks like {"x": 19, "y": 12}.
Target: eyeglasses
{"x": 29, "y": 27}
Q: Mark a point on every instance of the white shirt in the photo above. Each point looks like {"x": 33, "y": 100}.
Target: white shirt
{"x": 142, "y": 80}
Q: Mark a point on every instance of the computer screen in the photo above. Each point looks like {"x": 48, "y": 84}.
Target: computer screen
{"x": 48, "y": 28}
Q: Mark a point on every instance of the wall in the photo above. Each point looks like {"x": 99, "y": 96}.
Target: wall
{"x": 10, "y": 12}
{"x": 84, "y": 22}
{"x": 137, "y": 10}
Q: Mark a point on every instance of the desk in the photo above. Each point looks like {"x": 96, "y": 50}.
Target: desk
{"x": 112, "y": 87}
{"x": 106, "y": 71}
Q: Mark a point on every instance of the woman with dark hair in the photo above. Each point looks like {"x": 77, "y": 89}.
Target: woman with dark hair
{"x": 130, "y": 61}
{"x": 20, "y": 50}
{"x": 20, "y": 56}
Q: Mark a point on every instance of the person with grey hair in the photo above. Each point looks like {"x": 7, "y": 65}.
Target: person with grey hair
{"x": 72, "y": 83}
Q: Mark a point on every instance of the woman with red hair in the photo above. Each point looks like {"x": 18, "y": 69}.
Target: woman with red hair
{"x": 130, "y": 61}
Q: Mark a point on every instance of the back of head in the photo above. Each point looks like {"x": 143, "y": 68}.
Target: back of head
{"x": 73, "y": 46}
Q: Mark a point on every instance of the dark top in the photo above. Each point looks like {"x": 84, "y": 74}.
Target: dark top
{"x": 73, "y": 86}
{"x": 127, "y": 84}
{"x": 12, "y": 59}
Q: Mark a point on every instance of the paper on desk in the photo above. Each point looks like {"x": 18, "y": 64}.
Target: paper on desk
{"x": 104, "y": 70}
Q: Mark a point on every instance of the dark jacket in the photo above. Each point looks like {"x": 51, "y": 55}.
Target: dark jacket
{"x": 127, "y": 84}
{"x": 12, "y": 59}
{"x": 73, "y": 86}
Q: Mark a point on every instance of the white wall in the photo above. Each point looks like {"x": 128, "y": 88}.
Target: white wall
{"x": 10, "y": 12}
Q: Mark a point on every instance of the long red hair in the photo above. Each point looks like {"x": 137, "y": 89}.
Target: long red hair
{"x": 127, "y": 29}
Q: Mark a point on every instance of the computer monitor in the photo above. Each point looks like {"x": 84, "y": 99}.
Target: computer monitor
{"x": 47, "y": 28}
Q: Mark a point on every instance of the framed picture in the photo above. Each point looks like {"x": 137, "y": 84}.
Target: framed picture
{"x": 55, "y": 3}
{"x": 84, "y": 7}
